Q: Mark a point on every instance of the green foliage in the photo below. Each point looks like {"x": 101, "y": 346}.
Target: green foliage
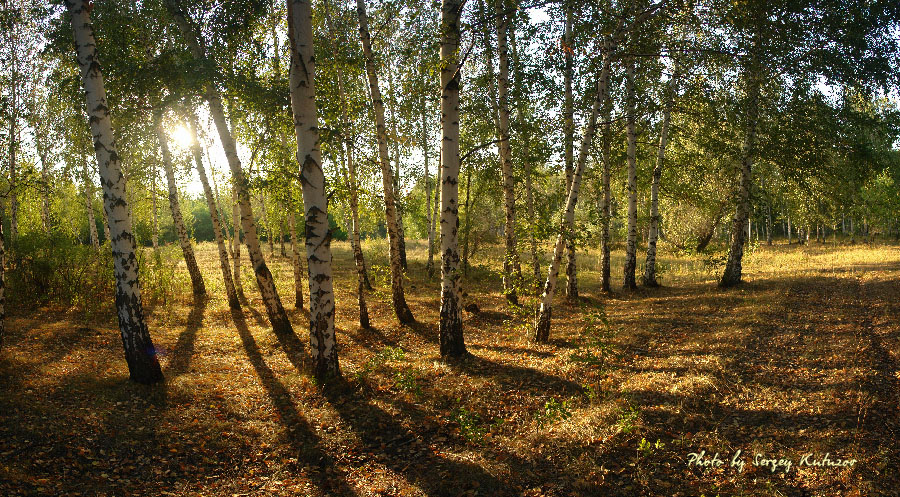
{"x": 470, "y": 425}
{"x": 627, "y": 419}
{"x": 647, "y": 449}
{"x": 554, "y": 411}
{"x": 56, "y": 270}
{"x": 594, "y": 340}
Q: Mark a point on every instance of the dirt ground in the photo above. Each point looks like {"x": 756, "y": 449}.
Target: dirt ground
{"x": 640, "y": 393}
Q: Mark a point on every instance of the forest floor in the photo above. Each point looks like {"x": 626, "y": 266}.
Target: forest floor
{"x": 800, "y": 360}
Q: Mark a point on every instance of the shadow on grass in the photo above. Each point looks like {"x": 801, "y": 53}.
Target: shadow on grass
{"x": 183, "y": 350}
{"x": 298, "y": 432}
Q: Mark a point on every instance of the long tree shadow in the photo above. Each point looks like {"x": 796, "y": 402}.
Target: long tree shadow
{"x": 291, "y": 344}
{"x": 517, "y": 377}
{"x": 183, "y": 350}
{"x": 297, "y": 430}
{"x": 381, "y": 433}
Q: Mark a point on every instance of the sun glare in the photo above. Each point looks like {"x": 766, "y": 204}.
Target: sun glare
{"x": 182, "y": 136}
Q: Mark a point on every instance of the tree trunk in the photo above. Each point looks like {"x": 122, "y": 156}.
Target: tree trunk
{"x": 154, "y": 237}
{"x": 106, "y": 224}
{"x": 429, "y": 266}
{"x": 392, "y": 108}
{"x": 140, "y": 354}
{"x": 512, "y": 269}
{"x": 13, "y": 134}
{"x": 230, "y": 291}
{"x": 542, "y": 327}
{"x": 451, "y": 326}
{"x": 466, "y": 226}
{"x": 401, "y": 309}
{"x": 631, "y": 237}
{"x": 265, "y": 221}
{"x": 236, "y": 239}
{"x": 89, "y": 205}
{"x": 606, "y": 202}
{"x": 275, "y": 310}
{"x": 789, "y": 230}
{"x": 650, "y": 264}
{"x": 186, "y": 249}
{"x": 732, "y": 274}
{"x": 569, "y": 147}
{"x": 768, "y": 225}
{"x": 322, "y": 339}
{"x": 295, "y": 258}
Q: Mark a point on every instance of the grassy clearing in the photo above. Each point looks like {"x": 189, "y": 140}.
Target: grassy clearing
{"x": 801, "y": 359}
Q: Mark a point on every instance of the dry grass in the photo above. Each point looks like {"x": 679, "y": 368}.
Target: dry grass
{"x": 802, "y": 358}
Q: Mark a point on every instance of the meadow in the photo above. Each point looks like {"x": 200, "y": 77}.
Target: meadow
{"x": 798, "y": 362}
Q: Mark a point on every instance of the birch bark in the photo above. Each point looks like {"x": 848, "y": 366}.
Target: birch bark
{"x": 186, "y": 249}
{"x": 230, "y": 291}
{"x": 569, "y": 146}
{"x": 401, "y": 309}
{"x": 140, "y": 353}
{"x": 649, "y": 278}
{"x": 89, "y": 206}
{"x": 266, "y": 283}
{"x": 452, "y": 343}
{"x": 323, "y": 342}
{"x": 631, "y": 189}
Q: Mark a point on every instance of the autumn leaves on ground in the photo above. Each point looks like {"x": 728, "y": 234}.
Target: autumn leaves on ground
{"x": 801, "y": 359}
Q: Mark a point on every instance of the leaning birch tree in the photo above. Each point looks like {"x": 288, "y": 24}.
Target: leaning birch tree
{"x": 401, "y": 309}
{"x": 187, "y": 249}
{"x": 264, "y": 280}
{"x": 140, "y": 354}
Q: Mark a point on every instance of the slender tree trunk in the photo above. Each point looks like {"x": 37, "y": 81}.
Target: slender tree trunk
{"x": 275, "y": 310}
{"x": 155, "y": 235}
{"x": 606, "y": 202}
{"x": 429, "y": 266}
{"x": 512, "y": 269}
{"x": 732, "y": 274}
{"x": 466, "y": 226}
{"x": 542, "y": 327}
{"x": 295, "y": 258}
{"x": 451, "y": 326}
{"x": 265, "y": 221}
{"x": 569, "y": 147}
{"x": 650, "y": 265}
{"x": 401, "y": 309}
{"x": 186, "y": 249}
{"x": 13, "y": 134}
{"x": 236, "y": 239}
{"x": 323, "y": 341}
{"x": 532, "y": 223}
{"x": 789, "y": 230}
{"x": 631, "y": 237}
{"x": 230, "y": 291}
{"x": 392, "y": 108}
{"x": 768, "y": 225}
{"x": 89, "y": 206}
{"x": 140, "y": 353}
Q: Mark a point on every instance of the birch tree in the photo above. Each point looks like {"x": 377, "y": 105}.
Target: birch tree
{"x": 187, "y": 249}
{"x": 452, "y": 343}
{"x": 230, "y": 291}
{"x": 266, "y": 283}
{"x": 401, "y": 309}
{"x": 631, "y": 189}
{"x": 512, "y": 269}
{"x": 569, "y": 146}
{"x": 649, "y": 278}
{"x": 140, "y": 353}
{"x": 323, "y": 343}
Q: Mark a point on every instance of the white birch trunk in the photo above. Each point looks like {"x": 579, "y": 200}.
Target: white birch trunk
{"x": 542, "y": 326}
{"x": 512, "y": 269}
{"x": 396, "y": 172}
{"x": 187, "y": 249}
{"x": 140, "y": 353}
{"x": 236, "y": 240}
{"x": 732, "y": 274}
{"x": 452, "y": 343}
{"x": 606, "y": 196}
{"x": 266, "y": 283}
{"x": 631, "y": 189}
{"x": 569, "y": 148}
{"x": 429, "y": 215}
{"x": 230, "y": 291}
{"x": 649, "y": 278}
{"x": 401, "y": 309}
{"x": 323, "y": 342}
